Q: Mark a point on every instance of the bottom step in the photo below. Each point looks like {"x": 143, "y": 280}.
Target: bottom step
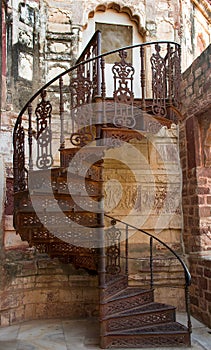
{"x": 168, "y": 335}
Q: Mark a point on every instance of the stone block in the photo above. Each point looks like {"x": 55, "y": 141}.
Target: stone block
{"x": 91, "y": 295}
{"x": 208, "y": 199}
{"x": 29, "y": 311}
{"x": 194, "y": 300}
{"x": 12, "y": 240}
{"x": 203, "y": 190}
{"x": 10, "y": 300}
{"x": 198, "y": 72}
{"x": 208, "y": 296}
{"x": 66, "y": 295}
{"x": 5, "y": 319}
{"x": 8, "y": 223}
{"x": 34, "y": 296}
{"x": 58, "y": 27}
{"x": 203, "y": 282}
{"x": 207, "y": 273}
{"x": 57, "y": 47}
{"x": 17, "y": 315}
{"x": 171, "y": 296}
{"x": 199, "y": 270}
{"x": 48, "y": 279}
{"x": 28, "y": 268}
{"x": 189, "y": 91}
{"x": 205, "y": 211}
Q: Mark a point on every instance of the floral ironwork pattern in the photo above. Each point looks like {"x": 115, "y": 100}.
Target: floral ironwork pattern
{"x": 123, "y": 73}
{"x": 19, "y": 159}
{"x": 81, "y": 114}
{"x": 113, "y": 236}
{"x": 158, "y": 66}
{"x": 176, "y": 73}
{"x": 44, "y": 134}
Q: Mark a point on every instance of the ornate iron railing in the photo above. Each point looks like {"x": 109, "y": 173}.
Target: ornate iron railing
{"x": 93, "y": 94}
{"x": 117, "y": 256}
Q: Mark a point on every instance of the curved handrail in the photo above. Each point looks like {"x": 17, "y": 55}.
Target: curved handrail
{"x": 186, "y": 271}
{"x": 117, "y": 246}
{"x": 85, "y": 62}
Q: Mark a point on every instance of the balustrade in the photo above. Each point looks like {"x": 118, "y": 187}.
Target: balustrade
{"x": 77, "y": 101}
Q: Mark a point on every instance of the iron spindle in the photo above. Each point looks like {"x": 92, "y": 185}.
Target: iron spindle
{"x": 61, "y": 111}
{"x": 143, "y": 79}
{"x": 170, "y": 73}
{"x": 98, "y": 52}
{"x": 151, "y": 263}
{"x": 187, "y": 302}
{"x": 30, "y": 136}
{"x": 103, "y": 89}
{"x": 15, "y": 160}
{"x": 126, "y": 250}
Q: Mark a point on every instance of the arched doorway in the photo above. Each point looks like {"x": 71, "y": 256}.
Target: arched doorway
{"x": 117, "y": 30}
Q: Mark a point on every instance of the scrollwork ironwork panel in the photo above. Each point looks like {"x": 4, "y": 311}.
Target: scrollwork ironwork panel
{"x": 139, "y": 320}
{"x": 135, "y": 341}
{"x": 113, "y": 236}
{"x": 19, "y": 159}
{"x": 158, "y": 66}
{"x": 176, "y": 73}
{"x": 44, "y": 133}
{"x": 128, "y": 303}
{"x": 123, "y": 73}
{"x": 81, "y": 109}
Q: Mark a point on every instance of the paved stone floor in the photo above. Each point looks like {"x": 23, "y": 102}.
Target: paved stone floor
{"x": 76, "y": 335}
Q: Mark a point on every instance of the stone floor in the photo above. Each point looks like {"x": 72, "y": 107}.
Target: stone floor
{"x": 76, "y": 335}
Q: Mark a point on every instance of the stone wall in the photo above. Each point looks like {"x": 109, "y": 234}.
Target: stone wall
{"x": 35, "y": 287}
{"x": 143, "y": 188}
{"x": 44, "y": 37}
{"x": 201, "y": 289}
{"x": 196, "y": 165}
{"x": 195, "y": 153}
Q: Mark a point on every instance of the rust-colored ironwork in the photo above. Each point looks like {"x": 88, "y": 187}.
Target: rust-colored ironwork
{"x": 129, "y": 310}
{"x": 81, "y": 108}
{"x": 88, "y": 84}
{"x": 143, "y": 78}
{"x": 115, "y": 232}
{"x": 158, "y": 82}
{"x": 114, "y": 137}
{"x": 30, "y": 134}
{"x": 123, "y": 73}
{"x": 61, "y": 112}
{"x": 19, "y": 158}
{"x": 44, "y": 136}
{"x": 85, "y": 85}
{"x": 113, "y": 237}
{"x": 92, "y": 50}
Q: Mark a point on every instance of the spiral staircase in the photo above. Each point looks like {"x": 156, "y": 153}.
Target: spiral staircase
{"x": 58, "y": 196}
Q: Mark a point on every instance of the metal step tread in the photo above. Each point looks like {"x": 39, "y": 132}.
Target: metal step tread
{"x": 110, "y": 280}
{"x": 167, "y": 328}
{"x": 61, "y": 173}
{"x": 144, "y": 309}
{"x": 126, "y": 293}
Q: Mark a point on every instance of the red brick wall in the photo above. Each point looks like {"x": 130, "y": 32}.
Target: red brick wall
{"x": 195, "y": 155}
{"x": 201, "y": 289}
